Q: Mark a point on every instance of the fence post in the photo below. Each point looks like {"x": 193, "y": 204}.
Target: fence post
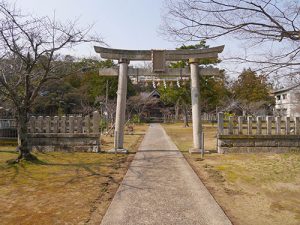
{"x": 71, "y": 124}
{"x": 230, "y": 125}
{"x": 269, "y": 125}
{"x": 297, "y": 125}
{"x": 278, "y": 125}
{"x": 79, "y": 124}
{"x": 55, "y": 124}
{"x": 39, "y": 124}
{"x": 220, "y": 123}
{"x": 32, "y": 124}
{"x": 63, "y": 124}
{"x": 87, "y": 124}
{"x": 249, "y": 125}
{"x": 96, "y": 120}
{"x": 47, "y": 124}
{"x": 258, "y": 125}
{"x": 287, "y": 125}
{"x": 240, "y": 126}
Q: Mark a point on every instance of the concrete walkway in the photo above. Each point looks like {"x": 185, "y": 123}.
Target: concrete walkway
{"x": 161, "y": 188}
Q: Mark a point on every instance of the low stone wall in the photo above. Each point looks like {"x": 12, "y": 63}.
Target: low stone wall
{"x": 258, "y": 143}
{"x": 64, "y": 142}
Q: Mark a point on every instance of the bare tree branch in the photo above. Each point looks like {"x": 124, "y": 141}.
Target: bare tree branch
{"x": 269, "y": 24}
{"x": 30, "y": 50}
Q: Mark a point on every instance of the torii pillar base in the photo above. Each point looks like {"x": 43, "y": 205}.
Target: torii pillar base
{"x": 195, "y": 151}
{"x": 118, "y": 151}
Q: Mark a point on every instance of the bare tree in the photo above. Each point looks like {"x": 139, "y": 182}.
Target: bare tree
{"x": 30, "y": 50}
{"x": 271, "y": 27}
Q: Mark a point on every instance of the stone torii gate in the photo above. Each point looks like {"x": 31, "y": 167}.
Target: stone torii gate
{"x": 159, "y": 69}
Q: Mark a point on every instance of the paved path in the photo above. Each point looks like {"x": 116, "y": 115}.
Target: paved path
{"x": 161, "y": 188}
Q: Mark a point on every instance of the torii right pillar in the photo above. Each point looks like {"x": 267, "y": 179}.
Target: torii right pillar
{"x": 196, "y": 109}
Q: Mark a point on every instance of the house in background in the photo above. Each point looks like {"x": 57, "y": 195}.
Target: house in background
{"x": 287, "y": 101}
{"x": 153, "y": 105}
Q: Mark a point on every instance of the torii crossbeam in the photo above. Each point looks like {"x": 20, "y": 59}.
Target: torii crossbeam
{"x": 158, "y": 58}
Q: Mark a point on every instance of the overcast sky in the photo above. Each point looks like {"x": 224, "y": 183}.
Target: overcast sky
{"x": 125, "y": 24}
{"x": 129, "y": 24}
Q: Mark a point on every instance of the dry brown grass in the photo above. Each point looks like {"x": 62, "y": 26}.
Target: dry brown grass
{"x": 183, "y": 138}
{"x": 62, "y": 188}
{"x": 251, "y": 188}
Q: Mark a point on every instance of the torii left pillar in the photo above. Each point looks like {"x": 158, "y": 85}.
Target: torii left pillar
{"x": 121, "y": 107}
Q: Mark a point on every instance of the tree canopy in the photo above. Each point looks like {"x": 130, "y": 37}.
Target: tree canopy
{"x": 252, "y": 91}
{"x": 80, "y": 91}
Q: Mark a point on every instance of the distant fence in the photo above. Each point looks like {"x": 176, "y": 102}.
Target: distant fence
{"x": 205, "y": 117}
{"x": 258, "y": 134}
{"x": 209, "y": 117}
{"x": 8, "y": 129}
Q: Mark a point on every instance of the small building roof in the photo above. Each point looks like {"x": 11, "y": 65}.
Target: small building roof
{"x": 152, "y": 94}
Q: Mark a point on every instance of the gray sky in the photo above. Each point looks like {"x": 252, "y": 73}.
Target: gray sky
{"x": 125, "y": 24}
{"x": 130, "y": 24}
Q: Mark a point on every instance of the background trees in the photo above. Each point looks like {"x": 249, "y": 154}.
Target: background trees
{"x": 30, "y": 57}
{"x": 82, "y": 92}
{"x": 252, "y": 91}
{"x": 214, "y": 92}
{"x": 179, "y": 98}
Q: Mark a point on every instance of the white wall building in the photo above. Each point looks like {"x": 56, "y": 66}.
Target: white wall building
{"x": 288, "y": 101}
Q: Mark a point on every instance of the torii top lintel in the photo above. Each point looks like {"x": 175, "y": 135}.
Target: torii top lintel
{"x": 170, "y": 55}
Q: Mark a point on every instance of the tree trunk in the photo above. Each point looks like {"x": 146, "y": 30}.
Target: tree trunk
{"x": 185, "y": 117}
{"x": 22, "y": 121}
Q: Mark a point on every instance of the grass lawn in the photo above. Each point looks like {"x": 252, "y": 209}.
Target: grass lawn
{"x": 251, "y": 188}
{"x": 62, "y": 188}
